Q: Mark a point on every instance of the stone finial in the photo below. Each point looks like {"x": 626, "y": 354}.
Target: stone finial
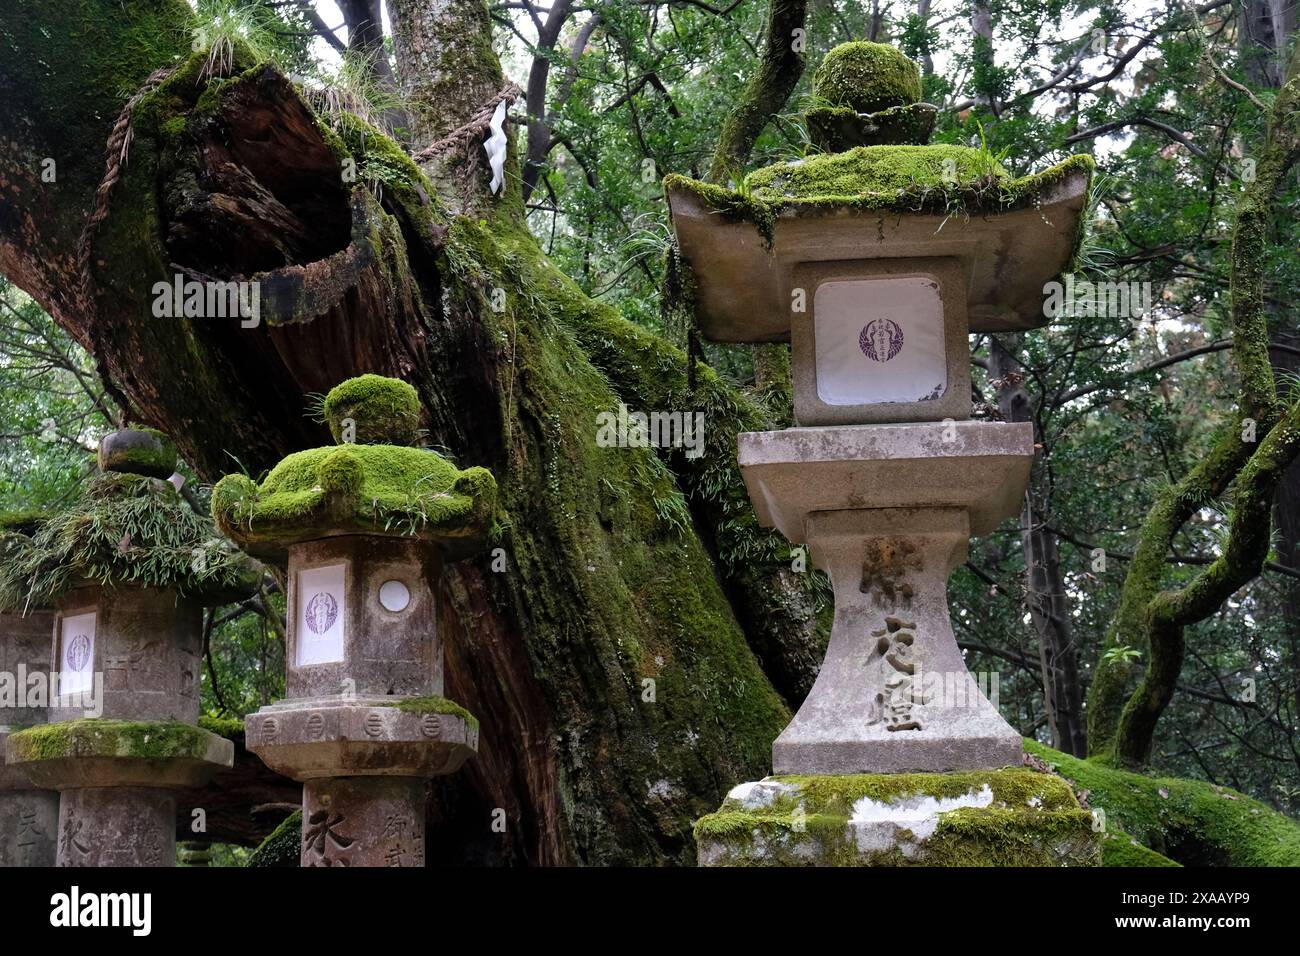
{"x": 373, "y": 410}
{"x": 868, "y": 94}
{"x": 138, "y": 451}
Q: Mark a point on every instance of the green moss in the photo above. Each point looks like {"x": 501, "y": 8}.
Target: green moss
{"x": 1033, "y": 820}
{"x": 373, "y": 489}
{"x": 866, "y": 77}
{"x": 138, "y": 451}
{"x": 434, "y": 705}
{"x": 25, "y": 523}
{"x": 97, "y": 737}
{"x": 937, "y": 179}
{"x": 1120, "y": 849}
{"x": 1189, "y": 821}
{"x": 283, "y": 847}
{"x": 878, "y": 170}
{"x": 232, "y": 728}
{"x": 124, "y": 530}
{"x": 383, "y": 411}
{"x": 642, "y": 598}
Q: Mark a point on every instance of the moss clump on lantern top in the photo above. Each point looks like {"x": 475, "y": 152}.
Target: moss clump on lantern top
{"x": 359, "y": 488}
{"x": 938, "y": 179}
{"x": 381, "y": 411}
{"x": 866, "y": 77}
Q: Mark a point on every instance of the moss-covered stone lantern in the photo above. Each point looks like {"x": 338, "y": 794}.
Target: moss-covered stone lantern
{"x": 128, "y": 569}
{"x": 29, "y": 816}
{"x": 875, "y": 260}
{"x": 364, "y": 527}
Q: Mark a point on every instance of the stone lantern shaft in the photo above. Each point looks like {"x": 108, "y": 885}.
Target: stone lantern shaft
{"x": 875, "y": 260}
{"x": 364, "y": 528}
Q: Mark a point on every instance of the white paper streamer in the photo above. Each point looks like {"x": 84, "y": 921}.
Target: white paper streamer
{"x": 495, "y": 147}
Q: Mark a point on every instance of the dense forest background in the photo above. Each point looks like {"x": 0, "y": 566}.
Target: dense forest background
{"x": 1171, "y": 98}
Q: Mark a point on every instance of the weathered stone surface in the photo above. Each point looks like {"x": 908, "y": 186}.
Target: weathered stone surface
{"x": 982, "y": 467}
{"x": 28, "y": 816}
{"x": 113, "y": 753}
{"x": 138, "y": 451}
{"x": 24, "y": 651}
{"x": 1012, "y": 817}
{"x": 117, "y": 826}
{"x": 380, "y": 651}
{"x": 363, "y": 821}
{"x": 893, "y": 693}
{"x": 334, "y": 736}
{"x": 145, "y": 648}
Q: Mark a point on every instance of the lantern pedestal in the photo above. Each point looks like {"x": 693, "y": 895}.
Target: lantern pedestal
{"x": 116, "y": 780}
{"x": 1011, "y": 817}
{"x": 28, "y": 816}
{"x": 365, "y": 765}
{"x": 887, "y": 511}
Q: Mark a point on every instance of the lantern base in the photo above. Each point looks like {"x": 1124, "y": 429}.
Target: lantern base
{"x": 319, "y": 737}
{"x": 29, "y": 818}
{"x": 117, "y": 826}
{"x": 1008, "y": 817}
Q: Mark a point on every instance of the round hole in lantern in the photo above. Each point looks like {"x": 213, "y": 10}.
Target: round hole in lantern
{"x": 394, "y": 596}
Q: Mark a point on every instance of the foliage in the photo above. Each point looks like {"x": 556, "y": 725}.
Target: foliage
{"x": 121, "y": 530}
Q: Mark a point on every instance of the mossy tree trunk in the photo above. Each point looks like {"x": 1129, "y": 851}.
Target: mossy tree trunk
{"x": 608, "y": 661}
{"x": 1249, "y": 456}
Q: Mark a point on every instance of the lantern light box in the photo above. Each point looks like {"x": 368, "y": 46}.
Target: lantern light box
{"x": 881, "y": 341}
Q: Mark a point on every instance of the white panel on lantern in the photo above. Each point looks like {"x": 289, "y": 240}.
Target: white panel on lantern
{"x": 77, "y": 654}
{"x": 322, "y": 612}
{"x": 879, "y": 340}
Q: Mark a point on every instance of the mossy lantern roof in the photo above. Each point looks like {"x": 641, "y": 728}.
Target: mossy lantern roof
{"x": 373, "y": 482}
{"x": 884, "y": 194}
{"x": 126, "y": 528}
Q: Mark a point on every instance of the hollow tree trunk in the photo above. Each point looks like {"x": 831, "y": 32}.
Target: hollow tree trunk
{"x": 617, "y": 692}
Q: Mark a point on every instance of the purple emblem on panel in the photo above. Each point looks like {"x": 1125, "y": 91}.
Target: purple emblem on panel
{"x": 77, "y": 653}
{"x": 881, "y": 340}
{"x": 322, "y": 612}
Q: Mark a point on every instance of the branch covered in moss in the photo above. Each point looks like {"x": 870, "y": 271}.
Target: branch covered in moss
{"x": 1156, "y": 618}
{"x": 779, "y": 69}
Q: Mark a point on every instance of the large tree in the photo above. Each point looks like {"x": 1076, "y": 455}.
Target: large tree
{"x": 607, "y": 659}
{"x": 636, "y": 642}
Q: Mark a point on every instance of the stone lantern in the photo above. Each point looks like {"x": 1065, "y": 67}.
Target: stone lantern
{"x": 29, "y": 817}
{"x": 364, "y": 528}
{"x": 129, "y": 570}
{"x": 875, "y": 261}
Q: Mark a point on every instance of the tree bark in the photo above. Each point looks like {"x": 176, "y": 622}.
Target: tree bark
{"x": 1045, "y": 584}
{"x": 779, "y": 69}
{"x": 618, "y": 696}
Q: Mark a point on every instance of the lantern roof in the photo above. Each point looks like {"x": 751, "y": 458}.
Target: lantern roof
{"x": 876, "y": 191}
{"x": 1011, "y": 235}
{"x": 125, "y": 530}
{"x": 362, "y": 486}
